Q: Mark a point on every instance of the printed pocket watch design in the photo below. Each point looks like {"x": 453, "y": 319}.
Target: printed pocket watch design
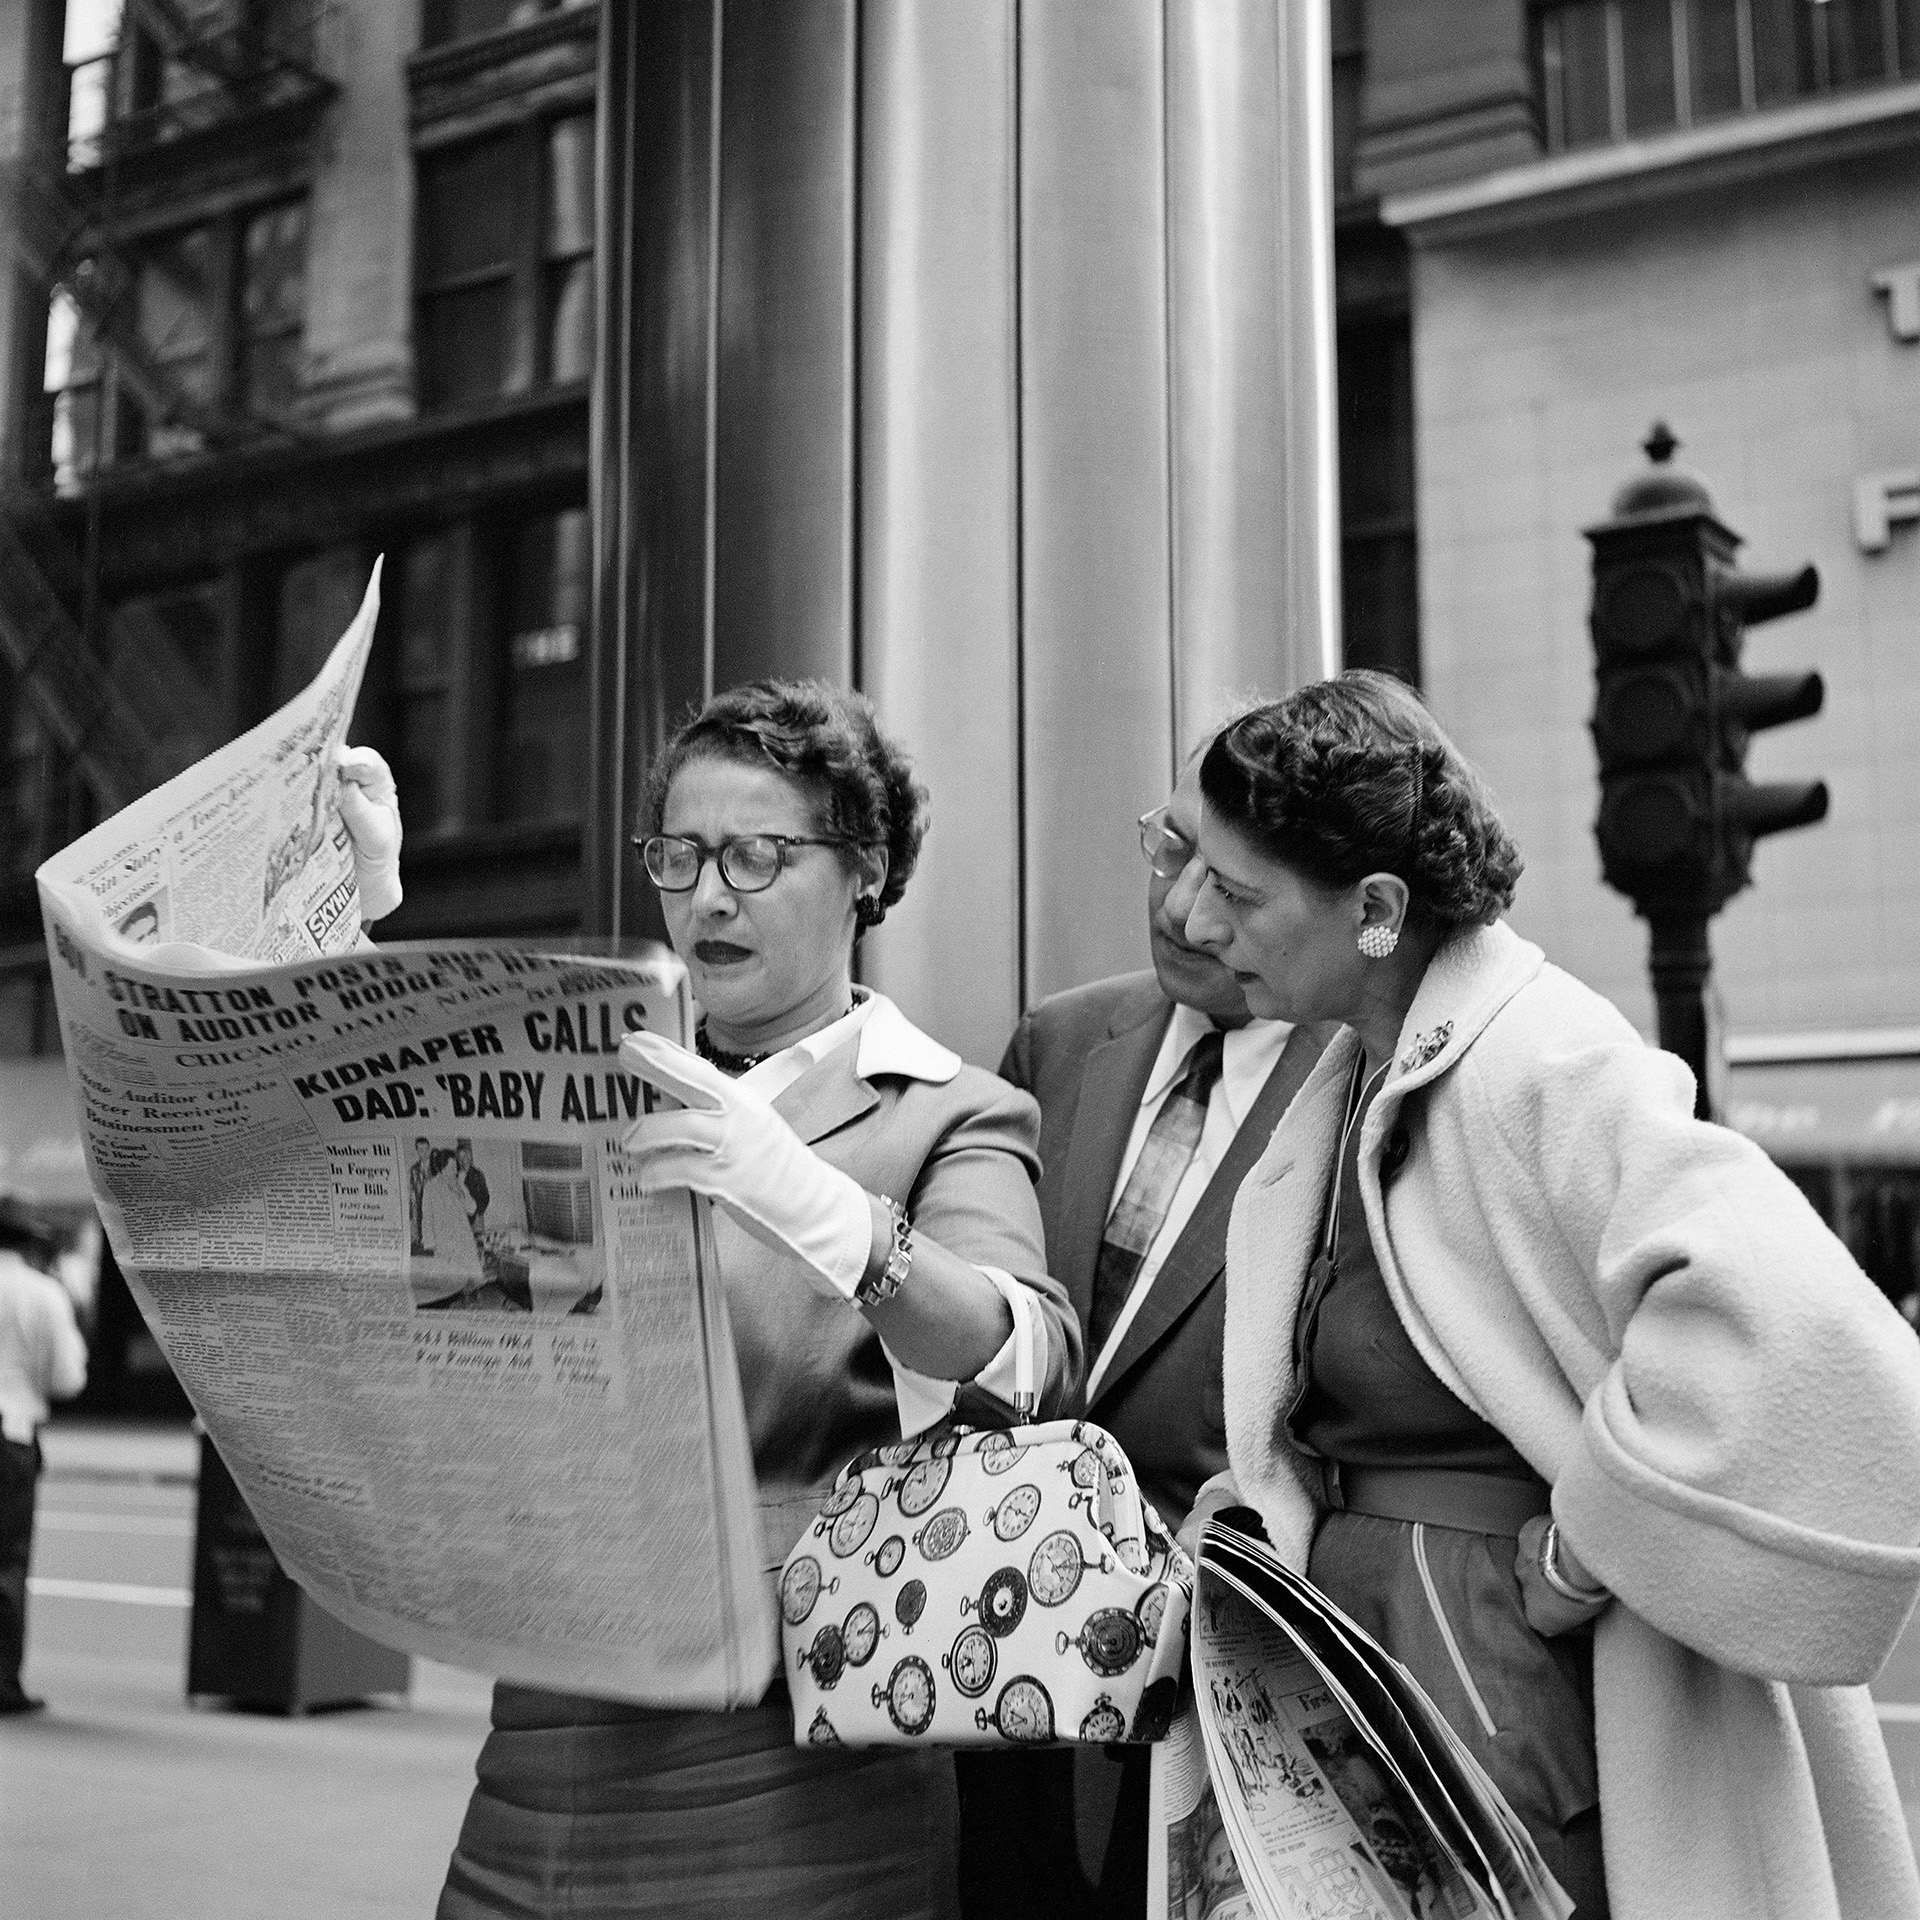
{"x": 860, "y": 1633}
{"x": 999, "y": 1452}
{"x": 886, "y": 1557}
{"x": 1022, "y": 1714}
{"x": 1016, "y": 1513}
{"x": 910, "y": 1603}
{"x": 801, "y": 1587}
{"x": 942, "y": 1535}
{"x": 1151, "y": 1611}
{"x": 827, "y": 1657}
{"x": 1002, "y": 1603}
{"x": 1104, "y": 1723}
{"x": 921, "y": 1487}
{"x": 839, "y": 1499}
{"x": 972, "y": 1661}
{"x": 1110, "y": 1641}
{"x": 852, "y": 1529}
{"x": 908, "y": 1695}
{"x": 1054, "y": 1573}
{"x": 820, "y": 1731}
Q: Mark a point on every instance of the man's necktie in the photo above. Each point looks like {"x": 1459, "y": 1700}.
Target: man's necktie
{"x": 1137, "y": 1215}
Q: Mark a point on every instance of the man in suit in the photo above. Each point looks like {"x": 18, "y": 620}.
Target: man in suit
{"x": 1157, "y": 1093}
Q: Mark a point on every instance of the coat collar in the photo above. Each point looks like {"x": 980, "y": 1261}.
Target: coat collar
{"x": 839, "y": 1088}
{"x": 1474, "y": 973}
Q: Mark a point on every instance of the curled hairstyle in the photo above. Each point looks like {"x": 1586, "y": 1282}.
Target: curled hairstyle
{"x": 823, "y": 738}
{"x": 1353, "y": 776}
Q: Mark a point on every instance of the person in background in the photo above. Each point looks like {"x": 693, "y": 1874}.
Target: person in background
{"x": 1567, "y": 1397}
{"x": 475, "y": 1182}
{"x": 42, "y": 1358}
{"x": 419, "y": 1172}
{"x": 1157, "y": 1092}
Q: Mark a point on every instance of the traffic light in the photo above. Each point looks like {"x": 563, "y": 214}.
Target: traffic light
{"x": 1673, "y": 712}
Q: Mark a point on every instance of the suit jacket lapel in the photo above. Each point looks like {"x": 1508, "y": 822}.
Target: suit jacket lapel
{"x": 1200, "y": 1253}
{"x": 1110, "y": 1087}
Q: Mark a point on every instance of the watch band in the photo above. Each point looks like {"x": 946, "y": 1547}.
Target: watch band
{"x": 884, "y": 1277}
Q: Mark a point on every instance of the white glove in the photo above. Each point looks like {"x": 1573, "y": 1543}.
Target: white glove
{"x": 728, "y": 1143}
{"x": 370, "y": 810}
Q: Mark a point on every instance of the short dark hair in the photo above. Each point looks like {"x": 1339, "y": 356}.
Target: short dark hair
{"x": 438, "y": 1161}
{"x": 24, "y": 1232}
{"x": 1353, "y": 776}
{"x": 826, "y": 740}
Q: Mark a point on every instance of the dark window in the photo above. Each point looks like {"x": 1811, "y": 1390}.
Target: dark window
{"x": 1380, "y": 601}
{"x": 148, "y": 344}
{"x": 505, "y": 263}
{"x": 1616, "y": 69}
{"x": 465, "y": 19}
{"x": 273, "y": 303}
{"x": 433, "y": 602}
{"x": 1646, "y": 65}
{"x": 489, "y": 715}
{"x": 540, "y": 762}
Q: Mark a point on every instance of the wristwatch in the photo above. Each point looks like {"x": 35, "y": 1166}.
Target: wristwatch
{"x": 884, "y": 1277}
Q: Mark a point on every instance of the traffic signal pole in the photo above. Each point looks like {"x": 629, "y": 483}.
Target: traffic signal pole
{"x": 1681, "y": 962}
{"x": 1673, "y": 717}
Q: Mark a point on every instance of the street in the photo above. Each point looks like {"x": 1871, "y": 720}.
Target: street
{"x": 124, "y": 1801}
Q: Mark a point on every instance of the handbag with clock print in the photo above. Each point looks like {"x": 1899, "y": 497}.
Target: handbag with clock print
{"x": 1006, "y": 1587}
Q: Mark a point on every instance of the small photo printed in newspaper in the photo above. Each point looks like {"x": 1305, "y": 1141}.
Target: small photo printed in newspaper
{"x": 145, "y": 924}
{"x": 1203, "y": 1878}
{"x": 504, "y": 1226}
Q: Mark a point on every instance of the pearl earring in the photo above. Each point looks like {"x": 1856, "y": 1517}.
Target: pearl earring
{"x": 1377, "y": 941}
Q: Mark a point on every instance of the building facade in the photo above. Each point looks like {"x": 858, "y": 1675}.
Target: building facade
{"x": 296, "y": 283}
{"x": 1703, "y": 213}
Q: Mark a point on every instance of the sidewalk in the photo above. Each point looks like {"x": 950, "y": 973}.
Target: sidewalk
{"x": 125, "y": 1800}
{"x": 153, "y": 1454}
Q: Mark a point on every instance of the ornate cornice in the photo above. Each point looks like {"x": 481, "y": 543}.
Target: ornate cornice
{"x": 202, "y": 513}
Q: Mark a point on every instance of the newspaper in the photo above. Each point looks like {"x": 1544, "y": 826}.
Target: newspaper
{"x": 477, "y": 1387}
{"x": 243, "y": 855}
{"x": 1311, "y": 1776}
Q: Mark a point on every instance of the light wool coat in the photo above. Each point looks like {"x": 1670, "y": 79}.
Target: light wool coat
{"x": 1727, "y": 1410}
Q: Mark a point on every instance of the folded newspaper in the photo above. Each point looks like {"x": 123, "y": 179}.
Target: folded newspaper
{"x": 476, "y": 1386}
{"x": 1311, "y": 1775}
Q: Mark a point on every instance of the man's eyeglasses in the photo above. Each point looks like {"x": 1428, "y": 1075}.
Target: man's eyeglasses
{"x": 1167, "y": 851}
{"x": 748, "y": 863}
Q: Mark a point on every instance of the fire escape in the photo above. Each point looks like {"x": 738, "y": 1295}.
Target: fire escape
{"x": 111, "y": 690}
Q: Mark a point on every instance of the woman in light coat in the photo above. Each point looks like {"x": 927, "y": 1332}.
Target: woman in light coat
{"x": 1568, "y": 1396}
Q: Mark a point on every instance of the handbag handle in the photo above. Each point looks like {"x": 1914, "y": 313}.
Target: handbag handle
{"x": 1026, "y": 1396}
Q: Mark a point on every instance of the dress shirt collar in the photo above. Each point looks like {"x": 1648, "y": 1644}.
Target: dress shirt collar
{"x": 889, "y": 1044}
{"x": 1247, "y": 1058}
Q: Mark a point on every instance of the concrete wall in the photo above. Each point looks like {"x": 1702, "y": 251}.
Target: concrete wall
{"x": 1746, "y": 317}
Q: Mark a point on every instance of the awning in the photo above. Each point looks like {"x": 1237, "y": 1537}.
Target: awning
{"x": 1822, "y": 1111}
{"x": 40, "y": 1157}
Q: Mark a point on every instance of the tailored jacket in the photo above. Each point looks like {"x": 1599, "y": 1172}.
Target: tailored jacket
{"x": 1085, "y": 1055}
{"x": 957, "y": 1148}
{"x": 1727, "y": 1410}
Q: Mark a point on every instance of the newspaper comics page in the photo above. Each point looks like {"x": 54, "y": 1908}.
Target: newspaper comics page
{"x": 1412, "y": 1746}
{"x": 243, "y": 854}
{"x": 1317, "y": 1826}
{"x": 472, "y": 1381}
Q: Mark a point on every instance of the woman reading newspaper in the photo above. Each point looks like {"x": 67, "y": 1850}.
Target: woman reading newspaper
{"x": 878, "y": 1206}
{"x": 1567, "y": 1397}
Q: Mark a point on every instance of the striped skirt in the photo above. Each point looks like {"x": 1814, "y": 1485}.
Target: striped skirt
{"x": 592, "y": 1807}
